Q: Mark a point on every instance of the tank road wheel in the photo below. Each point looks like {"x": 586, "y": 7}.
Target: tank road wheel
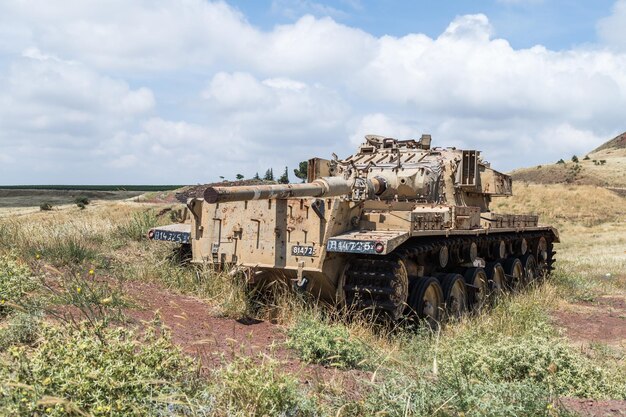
{"x": 427, "y": 300}
{"x": 400, "y": 285}
{"x": 478, "y": 287}
{"x": 530, "y": 268}
{"x": 496, "y": 277}
{"x": 514, "y": 273}
{"x": 454, "y": 294}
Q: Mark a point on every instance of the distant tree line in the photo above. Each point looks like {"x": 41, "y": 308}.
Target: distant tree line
{"x": 300, "y": 173}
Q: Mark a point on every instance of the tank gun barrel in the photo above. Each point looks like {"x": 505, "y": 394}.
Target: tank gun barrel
{"x": 321, "y": 187}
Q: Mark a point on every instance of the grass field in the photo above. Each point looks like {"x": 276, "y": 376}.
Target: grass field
{"x": 95, "y": 320}
{"x": 143, "y": 188}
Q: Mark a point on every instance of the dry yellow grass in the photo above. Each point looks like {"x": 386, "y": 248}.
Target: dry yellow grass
{"x": 612, "y": 173}
{"x": 560, "y": 204}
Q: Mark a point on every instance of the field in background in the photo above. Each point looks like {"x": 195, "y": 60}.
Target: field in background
{"x": 87, "y": 290}
{"x": 143, "y": 188}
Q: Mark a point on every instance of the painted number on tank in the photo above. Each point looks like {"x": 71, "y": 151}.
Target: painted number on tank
{"x": 170, "y": 236}
{"x": 350, "y": 246}
{"x": 298, "y": 250}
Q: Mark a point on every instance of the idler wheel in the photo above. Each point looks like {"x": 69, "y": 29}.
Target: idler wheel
{"x": 426, "y": 300}
{"x": 514, "y": 273}
{"x": 454, "y": 294}
{"x": 479, "y": 290}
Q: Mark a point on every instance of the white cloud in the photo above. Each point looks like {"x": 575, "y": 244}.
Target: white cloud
{"x": 612, "y": 29}
{"x": 192, "y": 88}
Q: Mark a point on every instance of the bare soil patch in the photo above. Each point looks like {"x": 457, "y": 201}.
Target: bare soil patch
{"x": 593, "y": 408}
{"x": 603, "y": 320}
{"x": 217, "y": 340}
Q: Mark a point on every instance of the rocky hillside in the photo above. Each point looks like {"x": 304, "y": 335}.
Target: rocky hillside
{"x": 605, "y": 166}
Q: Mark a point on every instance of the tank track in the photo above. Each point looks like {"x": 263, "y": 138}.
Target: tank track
{"x": 371, "y": 282}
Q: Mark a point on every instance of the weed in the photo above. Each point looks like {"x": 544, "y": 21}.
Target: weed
{"x": 96, "y": 303}
{"x": 67, "y": 250}
{"x": 15, "y": 282}
{"x": 21, "y": 328}
{"x": 319, "y": 341}
{"x": 45, "y": 206}
{"x": 138, "y": 226}
{"x": 71, "y": 372}
{"x": 248, "y": 388}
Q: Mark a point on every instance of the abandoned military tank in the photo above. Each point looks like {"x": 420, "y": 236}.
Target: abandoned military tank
{"x": 398, "y": 227}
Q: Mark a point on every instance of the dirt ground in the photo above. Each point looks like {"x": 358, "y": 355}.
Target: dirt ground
{"x": 216, "y": 340}
{"x": 603, "y": 320}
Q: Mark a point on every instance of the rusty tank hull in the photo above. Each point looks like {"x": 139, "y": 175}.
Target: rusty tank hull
{"x": 398, "y": 227}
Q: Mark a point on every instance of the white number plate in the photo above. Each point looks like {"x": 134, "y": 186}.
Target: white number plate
{"x": 298, "y": 250}
{"x": 350, "y": 246}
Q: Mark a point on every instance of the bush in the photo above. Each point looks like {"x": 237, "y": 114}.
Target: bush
{"x": 45, "y": 206}
{"x": 575, "y": 159}
{"x": 422, "y": 395}
{"x": 72, "y": 371}
{"x": 82, "y": 201}
{"x": 319, "y": 341}
{"x": 531, "y": 359}
{"x": 245, "y": 387}
{"x": 22, "y": 328}
{"x": 560, "y": 161}
{"x": 15, "y": 282}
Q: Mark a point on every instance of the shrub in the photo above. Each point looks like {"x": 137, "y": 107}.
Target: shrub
{"x": 45, "y": 206}
{"x": 560, "y": 161}
{"x": 15, "y": 282}
{"x": 318, "y": 341}
{"x": 22, "y": 328}
{"x": 422, "y": 395}
{"x": 535, "y": 359}
{"x": 575, "y": 159}
{"x": 82, "y": 201}
{"x": 245, "y": 387}
{"x": 72, "y": 371}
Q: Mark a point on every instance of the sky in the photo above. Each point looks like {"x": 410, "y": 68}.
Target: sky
{"x": 188, "y": 91}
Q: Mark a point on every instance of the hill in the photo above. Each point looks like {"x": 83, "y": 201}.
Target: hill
{"x": 605, "y": 166}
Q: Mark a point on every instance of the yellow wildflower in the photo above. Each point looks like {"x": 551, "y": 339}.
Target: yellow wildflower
{"x": 91, "y": 272}
{"x": 78, "y": 289}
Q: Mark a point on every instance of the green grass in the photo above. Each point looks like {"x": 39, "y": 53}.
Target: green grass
{"x": 73, "y": 371}
{"x": 318, "y": 341}
{"x": 508, "y": 360}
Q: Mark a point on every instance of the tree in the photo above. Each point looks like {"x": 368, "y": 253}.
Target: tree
{"x": 560, "y": 161}
{"x": 575, "y": 159}
{"x": 240, "y": 177}
{"x": 256, "y": 176}
{"x": 302, "y": 171}
{"x": 269, "y": 175}
{"x": 284, "y": 179}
